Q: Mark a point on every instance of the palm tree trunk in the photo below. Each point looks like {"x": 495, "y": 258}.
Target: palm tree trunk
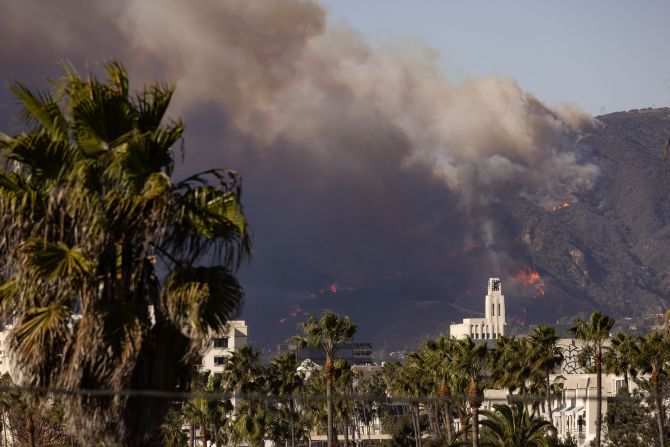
{"x": 625, "y": 380}
{"x": 462, "y": 418}
{"x": 599, "y": 394}
{"x": 416, "y": 422}
{"x": 659, "y": 408}
{"x": 290, "y": 409}
{"x": 368, "y": 422}
{"x": 345, "y": 424}
{"x": 432, "y": 418}
{"x": 30, "y": 428}
{"x": 329, "y": 399}
{"x": 474, "y": 398}
{"x": 446, "y": 395}
{"x": 549, "y": 399}
{"x": 192, "y": 434}
{"x": 475, "y": 426}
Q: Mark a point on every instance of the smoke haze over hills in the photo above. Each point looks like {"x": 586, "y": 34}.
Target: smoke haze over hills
{"x": 363, "y": 167}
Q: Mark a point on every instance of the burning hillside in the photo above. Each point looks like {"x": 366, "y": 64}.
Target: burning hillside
{"x": 531, "y": 279}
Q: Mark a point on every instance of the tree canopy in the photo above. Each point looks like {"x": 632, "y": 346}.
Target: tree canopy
{"x": 112, "y": 272}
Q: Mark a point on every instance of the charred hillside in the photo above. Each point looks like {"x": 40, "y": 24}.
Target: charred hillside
{"x": 608, "y": 250}
{"x": 611, "y": 249}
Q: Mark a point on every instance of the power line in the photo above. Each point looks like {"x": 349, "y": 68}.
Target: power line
{"x": 209, "y": 395}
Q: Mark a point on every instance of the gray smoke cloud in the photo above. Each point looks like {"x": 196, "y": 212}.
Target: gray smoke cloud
{"x": 359, "y": 162}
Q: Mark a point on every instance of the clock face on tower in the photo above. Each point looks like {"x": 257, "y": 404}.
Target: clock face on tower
{"x": 495, "y": 285}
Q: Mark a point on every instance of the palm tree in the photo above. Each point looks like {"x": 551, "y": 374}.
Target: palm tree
{"x": 441, "y": 353}
{"x": 244, "y": 374}
{"x": 409, "y": 380}
{"x": 512, "y": 366}
{"x": 326, "y": 333}
{"x": 92, "y": 223}
{"x": 512, "y": 426}
{"x": 285, "y": 382}
{"x": 653, "y": 358}
{"x": 471, "y": 361}
{"x": 173, "y": 435}
{"x": 372, "y": 399}
{"x": 343, "y": 379}
{"x": 546, "y": 356}
{"x": 595, "y": 332}
{"x": 427, "y": 384}
{"x": 620, "y": 359}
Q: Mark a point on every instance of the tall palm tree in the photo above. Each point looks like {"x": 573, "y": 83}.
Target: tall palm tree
{"x": 595, "y": 331}
{"x": 546, "y": 356}
{"x": 620, "y": 359}
{"x": 92, "y": 222}
{"x": 441, "y": 353}
{"x": 410, "y": 380}
{"x": 471, "y": 360}
{"x": 285, "y": 383}
{"x": 654, "y": 352}
{"x": 326, "y": 333}
{"x": 244, "y": 374}
{"x": 343, "y": 379}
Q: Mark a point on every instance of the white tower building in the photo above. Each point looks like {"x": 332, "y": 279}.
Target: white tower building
{"x": 492, "y": 325}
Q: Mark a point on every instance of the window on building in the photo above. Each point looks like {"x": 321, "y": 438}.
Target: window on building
{"x": 362, "y": 352}
{"x": 493, "y": 310}
{"x": 498, "y": 309}
{"x": 221, "y": 342}
{"x": 219, "y": 359}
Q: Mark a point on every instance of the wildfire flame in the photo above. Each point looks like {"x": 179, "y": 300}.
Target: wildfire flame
{"x": 530, "y": 278}
{"x": 291, "y": 314}
{"x": 560, "y": 206}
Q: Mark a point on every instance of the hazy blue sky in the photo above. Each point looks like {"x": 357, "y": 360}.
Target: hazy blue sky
{"x": 611, "y": 54}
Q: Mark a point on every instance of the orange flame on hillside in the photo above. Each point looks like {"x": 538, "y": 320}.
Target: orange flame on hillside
{"x": 292, "y": 314}
{"x": 530, "y": 278}
{"x": 561, "y": 206}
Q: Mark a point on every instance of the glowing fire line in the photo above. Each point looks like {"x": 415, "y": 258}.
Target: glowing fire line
{"x": 530, "y": 278}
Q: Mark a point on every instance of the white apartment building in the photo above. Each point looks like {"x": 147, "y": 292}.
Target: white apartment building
{"x": 574, "y": 411}
{"x": 490, "y": 327}
{"x": 223, "y": 345}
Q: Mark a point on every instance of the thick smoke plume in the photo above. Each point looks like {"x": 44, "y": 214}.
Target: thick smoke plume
{"x": 280, "y": 73}
{"x": 359, "y": 161}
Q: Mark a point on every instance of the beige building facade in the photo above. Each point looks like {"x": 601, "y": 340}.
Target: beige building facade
{"x": 490, "y": 327}
{"x": 223, "y": 345}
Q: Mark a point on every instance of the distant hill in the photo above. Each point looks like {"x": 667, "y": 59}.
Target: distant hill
{"x": 609, "y": 250}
